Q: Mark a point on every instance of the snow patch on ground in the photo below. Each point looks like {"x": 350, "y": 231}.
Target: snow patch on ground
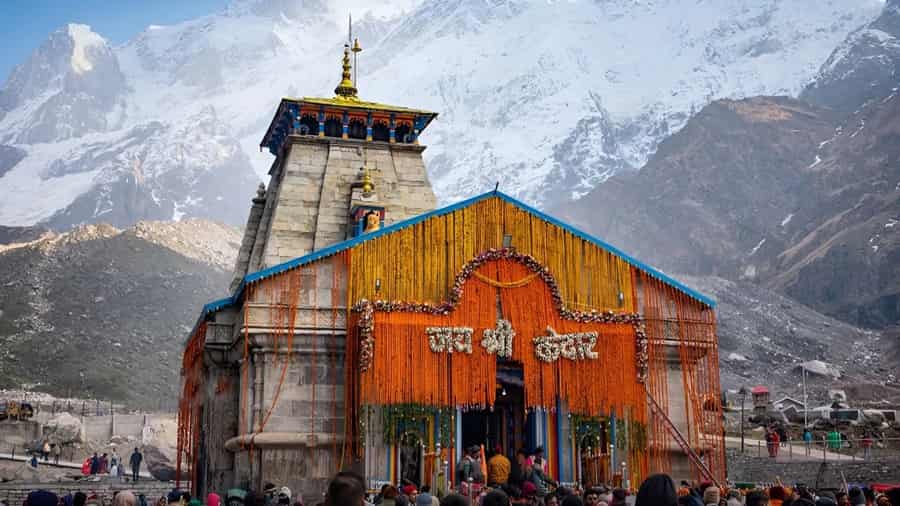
{"x": 736, "y": 357}
{"x": 758, "y": 245}
{"x": 787, "y": 219}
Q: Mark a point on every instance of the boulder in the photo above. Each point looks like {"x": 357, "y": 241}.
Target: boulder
{"x": 20, "y": 472}
{"x": 64, "y": 428}
{"x": 160, "y": 466}
{"x": 160, "y": 446}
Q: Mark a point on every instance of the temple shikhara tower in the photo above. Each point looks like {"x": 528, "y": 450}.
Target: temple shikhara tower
{"x": 367, "y": 330}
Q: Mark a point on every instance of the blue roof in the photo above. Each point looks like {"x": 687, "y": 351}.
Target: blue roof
{"x": 341, "y": 246}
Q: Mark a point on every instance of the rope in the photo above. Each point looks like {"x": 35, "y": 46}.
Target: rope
{"x": 511, "y": 284}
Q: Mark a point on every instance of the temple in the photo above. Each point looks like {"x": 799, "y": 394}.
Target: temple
{"x": 367, "y": 330}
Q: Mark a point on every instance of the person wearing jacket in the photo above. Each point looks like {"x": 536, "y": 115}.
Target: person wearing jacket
{"x": 135, "y": 461}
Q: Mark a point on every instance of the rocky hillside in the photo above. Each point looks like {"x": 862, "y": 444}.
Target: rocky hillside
{"x": 105, "y": 311}
{"x": 792, "y": 196}
{"x": 765, "y": 336}
{"x": 801, "y": 196}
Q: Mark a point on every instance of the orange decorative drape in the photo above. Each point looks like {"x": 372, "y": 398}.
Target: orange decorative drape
{"x": 589, "y": 387}
{"x": 674, "y": 319}
{"x": 189, "y": 412}
{"x": 406, "y": 370}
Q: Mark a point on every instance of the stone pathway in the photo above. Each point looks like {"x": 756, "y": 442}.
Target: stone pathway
{"x": 793, "y": 452}
{"x": 62, "y": 463}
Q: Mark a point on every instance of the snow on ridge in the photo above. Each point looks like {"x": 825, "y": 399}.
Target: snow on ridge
{"x": 512, "y": 89}
{"x": 82, "y": 39}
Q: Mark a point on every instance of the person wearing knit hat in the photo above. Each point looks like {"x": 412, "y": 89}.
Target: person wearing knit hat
{"x": 284, "y": 495}
{"x": 711, "y": 496}
{"x": 410, "y": 491}
{"x": 41, "y": 498}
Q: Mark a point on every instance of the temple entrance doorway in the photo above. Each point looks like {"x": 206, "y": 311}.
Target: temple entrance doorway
{"x": 409, "y": 453}
{"x": 505, "y": 424}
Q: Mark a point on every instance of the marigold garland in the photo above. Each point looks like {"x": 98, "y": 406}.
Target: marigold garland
{"x": 366, "y": 308}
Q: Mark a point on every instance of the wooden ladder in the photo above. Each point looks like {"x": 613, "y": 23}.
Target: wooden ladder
{"x": 695, "y": 459}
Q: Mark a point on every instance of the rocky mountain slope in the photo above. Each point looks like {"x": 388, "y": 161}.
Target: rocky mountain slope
{"x": 105, "y": 311}
{"x": 865, "y": 67}
{"x": 167, "y": 125}
{"x": 765, "y": 336}
{"x": 802, "y": 198}
{"x": 772, "y": 190}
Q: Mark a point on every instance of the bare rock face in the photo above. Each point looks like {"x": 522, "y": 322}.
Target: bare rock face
{"x": 795, "y": 197}
{"x": 64, "y": 428}
{"x": 863, "y": 68}
{"x": 98, "y": 309}
{"x": 159, "y": 446}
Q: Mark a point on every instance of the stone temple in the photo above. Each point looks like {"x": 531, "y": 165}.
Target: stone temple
{"x": 367, "y": 330}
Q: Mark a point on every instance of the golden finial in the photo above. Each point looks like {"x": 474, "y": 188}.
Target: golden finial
{"x": 356, "y": 47}
{"x": 346, "y": 89}
{"x": 368, "y": 184}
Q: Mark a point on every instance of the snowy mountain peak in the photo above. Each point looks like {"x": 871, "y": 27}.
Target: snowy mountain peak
{"x": 550, "y": 97}
{"x": 83, "y": 42}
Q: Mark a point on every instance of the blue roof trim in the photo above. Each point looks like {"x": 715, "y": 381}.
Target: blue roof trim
{"x": 341, "y": 246}
{"x": 217, "y": 305}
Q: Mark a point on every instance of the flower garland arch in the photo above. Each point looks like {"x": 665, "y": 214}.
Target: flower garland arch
{"x": 367, "y": 308}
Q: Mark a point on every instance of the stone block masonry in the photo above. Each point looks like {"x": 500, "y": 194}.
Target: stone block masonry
{"x": 308, "y": 202}
{"x": 746, "y": 468}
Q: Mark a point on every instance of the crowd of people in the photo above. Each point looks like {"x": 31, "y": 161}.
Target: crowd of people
{"x": 349, "y": 489}
{"x": 113, "y": 465}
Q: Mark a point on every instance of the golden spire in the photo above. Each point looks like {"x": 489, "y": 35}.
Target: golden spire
{"x": 346, "y": 89}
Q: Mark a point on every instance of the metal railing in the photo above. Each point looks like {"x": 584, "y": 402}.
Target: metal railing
{"x": 821, "y": 449}
{"x": 22, "y": 451}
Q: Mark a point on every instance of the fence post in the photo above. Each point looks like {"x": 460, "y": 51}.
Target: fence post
{"x": 790, "y": 449}
{"x": 824, "y": 448}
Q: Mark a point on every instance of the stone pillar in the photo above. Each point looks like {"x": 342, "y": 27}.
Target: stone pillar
{"x": 392, "y": 131}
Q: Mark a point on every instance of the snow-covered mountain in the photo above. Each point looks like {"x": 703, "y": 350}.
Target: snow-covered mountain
{"x": 550, "y": 98}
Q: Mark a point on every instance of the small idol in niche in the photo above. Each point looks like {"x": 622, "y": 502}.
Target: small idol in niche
{"x": 373, "y": 222}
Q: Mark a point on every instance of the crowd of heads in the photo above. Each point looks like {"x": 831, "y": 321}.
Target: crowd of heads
{"x": 349, "y": 489}
{"x": 660, "y": 490}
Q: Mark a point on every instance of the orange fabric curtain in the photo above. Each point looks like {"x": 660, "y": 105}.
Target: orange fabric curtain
{"x": 406, "y": 370}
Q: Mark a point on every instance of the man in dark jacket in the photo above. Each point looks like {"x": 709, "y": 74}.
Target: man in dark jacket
{"x": 136, "y": 459}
